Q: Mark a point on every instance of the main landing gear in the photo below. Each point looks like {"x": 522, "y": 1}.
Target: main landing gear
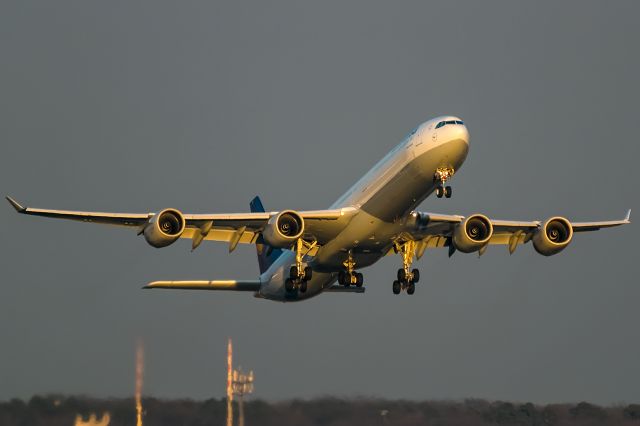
{"x": 441, "y": 176}
{"x": 407, "y": 277}
{"x": 299, "y": 275}
{"x": 349, "y": 276}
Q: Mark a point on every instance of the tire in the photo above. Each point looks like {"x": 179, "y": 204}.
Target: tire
{"x": 303, "y": 287}
{"x": 439, "y": 191}
{"x": 341, "y": 275}
{"x": 293, "y": 272}
{"x": 448, "y": 191}
{"x": 396, "y": 287}
{"x": 289, "y": 285}
{"x": 416, "y": 275}
{"x": 411, "y": 288}
{"x": 308, "y": 273}
{"x": 402, "y": 276}
{"x": 359, "y": 279}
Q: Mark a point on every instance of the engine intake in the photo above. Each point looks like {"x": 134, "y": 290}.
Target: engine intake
{"x": 473, "y": 233}
{"x": 283, "y": 229}
{"x": 552, "y": 237}
{"x": 164, "y": 228}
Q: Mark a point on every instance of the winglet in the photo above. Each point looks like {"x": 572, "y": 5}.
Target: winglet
{"x": 16, "y": 205}
{"x": 628, "y": 218}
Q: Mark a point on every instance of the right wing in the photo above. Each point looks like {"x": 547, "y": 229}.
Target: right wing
{"x": 234, "y": 228}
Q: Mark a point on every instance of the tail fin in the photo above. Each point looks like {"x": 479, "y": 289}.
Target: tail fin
{"x": 266, "y": 254}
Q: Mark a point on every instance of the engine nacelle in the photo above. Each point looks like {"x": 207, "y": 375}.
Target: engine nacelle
{"x": 473, "y": 233}
{"x": 164, "y": 228}
{"x": 553, "y": 236}
{"x": 283, "y": 229}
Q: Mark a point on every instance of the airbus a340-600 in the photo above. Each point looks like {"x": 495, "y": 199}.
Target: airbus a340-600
{"x": 303, "y": 253}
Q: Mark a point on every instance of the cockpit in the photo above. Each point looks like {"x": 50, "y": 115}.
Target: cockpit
{"x": 448, "y": 122}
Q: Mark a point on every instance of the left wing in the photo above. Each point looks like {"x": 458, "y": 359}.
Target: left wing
{"x": 234, "y": 228}
{"x": 430, "y": 230}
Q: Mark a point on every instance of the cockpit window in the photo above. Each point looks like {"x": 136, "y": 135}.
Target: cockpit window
{"x": 445, "y": 123}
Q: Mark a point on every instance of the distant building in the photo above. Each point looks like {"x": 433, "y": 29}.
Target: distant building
{"x": 93, "y": 420}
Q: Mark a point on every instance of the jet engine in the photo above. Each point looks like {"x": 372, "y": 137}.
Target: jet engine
{"x": 283, "y": 229}
{"x": 164, "y": 228}
{"x": 473, "y": 233}
{"x": 552, "y": 237}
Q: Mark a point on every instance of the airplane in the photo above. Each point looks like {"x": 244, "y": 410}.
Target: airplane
{"x": 303, "y": 253}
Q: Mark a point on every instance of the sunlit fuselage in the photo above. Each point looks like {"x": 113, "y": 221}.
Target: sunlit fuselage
{"x": 383, "y": 200}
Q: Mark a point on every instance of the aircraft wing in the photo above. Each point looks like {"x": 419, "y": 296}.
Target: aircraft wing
{"x": 431, "y": 230}
{"x": 234, "y": 228}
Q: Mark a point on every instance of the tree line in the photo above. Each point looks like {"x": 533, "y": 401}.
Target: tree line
{"x": 58, "y": 410}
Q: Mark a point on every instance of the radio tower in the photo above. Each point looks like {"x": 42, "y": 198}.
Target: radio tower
{"x": 242, "y": 385}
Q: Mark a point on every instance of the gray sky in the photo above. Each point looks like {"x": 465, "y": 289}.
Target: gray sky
{"x": 138, "y": 106}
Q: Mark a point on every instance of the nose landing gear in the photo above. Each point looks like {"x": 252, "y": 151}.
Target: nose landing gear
{"x": 441, "y": 176}
{"x": 407, "y": 278}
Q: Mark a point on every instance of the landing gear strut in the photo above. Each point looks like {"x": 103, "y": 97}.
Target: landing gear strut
{"x": 349, "y": 276}
{"x": 299, "y": 274}
{"x": 441, "y": 176}
{"x": 407, "y": 277}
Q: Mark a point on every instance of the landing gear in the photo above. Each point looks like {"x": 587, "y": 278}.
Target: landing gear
{"x": 289, "y": 285}
{"x": 441, "y": 176}
{"x": 407, "y": 278}
{"x": 349, "y": 276}
{"x": 299, "y": 275}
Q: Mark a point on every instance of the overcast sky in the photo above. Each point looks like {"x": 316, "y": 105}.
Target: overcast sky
{"x": 138, "y": 106}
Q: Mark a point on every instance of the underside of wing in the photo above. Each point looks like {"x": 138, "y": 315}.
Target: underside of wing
{"x": 476, "y": 232}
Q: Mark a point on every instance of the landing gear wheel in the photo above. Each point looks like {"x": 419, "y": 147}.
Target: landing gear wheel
{"x": 303, "y": 286}
{"x": 308, "y": 273}
{"x": 416, "y": 275}
{"x": 359, "y": 279}
{"x": 411, "y": 288}
{"x": 439, "y": 191}
{"x": 396, "y": 287}
{"x": 342, "y": 277}
{"x": 448, "y": 191}
{"x": 402, "y": 275}
{"x": 289, "y": 285}
{"x": 293, "y": 273}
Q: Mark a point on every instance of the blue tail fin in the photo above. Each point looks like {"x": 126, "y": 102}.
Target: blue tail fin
{"x": 266, "y": 254}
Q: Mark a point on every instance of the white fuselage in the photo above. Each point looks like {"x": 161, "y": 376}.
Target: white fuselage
{"x": 383, "y": 200}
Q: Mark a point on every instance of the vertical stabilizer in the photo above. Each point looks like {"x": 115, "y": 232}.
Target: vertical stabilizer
{"x": 266, "y": 254}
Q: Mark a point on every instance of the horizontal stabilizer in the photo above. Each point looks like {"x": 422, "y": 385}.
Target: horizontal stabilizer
{"x": 231, "y": 285}
{"x": 341, "y": 289}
